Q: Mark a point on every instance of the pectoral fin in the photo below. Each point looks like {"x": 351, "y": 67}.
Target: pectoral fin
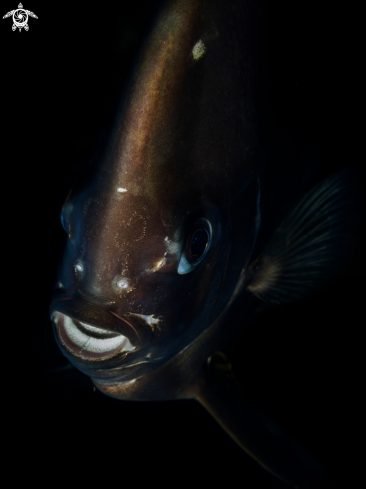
{"x": 262, "y": 438}
{"x": 314, "y": 243}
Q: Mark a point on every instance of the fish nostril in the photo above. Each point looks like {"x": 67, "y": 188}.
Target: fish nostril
{"x": 122, "y": 284}
{"x": 79, "y": 267}
{"x": 60, "y": 286}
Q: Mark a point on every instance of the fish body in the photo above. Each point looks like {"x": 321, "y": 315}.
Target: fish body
{"x": 162, "y": 231}
{"x": 179, "y": 152}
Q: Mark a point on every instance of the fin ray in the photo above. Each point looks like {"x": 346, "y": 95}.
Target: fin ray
{"x": 314, "y": 243}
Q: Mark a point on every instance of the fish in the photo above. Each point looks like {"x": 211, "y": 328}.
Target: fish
{"x": 170, "y": 236}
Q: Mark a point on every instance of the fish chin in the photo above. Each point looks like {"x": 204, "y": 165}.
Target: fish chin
{"x": 88, "y": 342}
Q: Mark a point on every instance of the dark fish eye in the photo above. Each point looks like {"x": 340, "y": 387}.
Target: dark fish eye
{"x": 196, "y": 246}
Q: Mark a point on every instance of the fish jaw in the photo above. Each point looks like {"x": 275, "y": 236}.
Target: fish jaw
{"x": 89, "y": 342}
{"x": 88, "y": 332}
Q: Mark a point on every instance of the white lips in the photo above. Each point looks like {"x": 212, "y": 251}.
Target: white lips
{"x": 95, "y": 345}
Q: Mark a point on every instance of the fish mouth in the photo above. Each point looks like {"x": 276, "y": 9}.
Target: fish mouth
{"x": 87, "y": 341}
{"x": 92, "y": 333}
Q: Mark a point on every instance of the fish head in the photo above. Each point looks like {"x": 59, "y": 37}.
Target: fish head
{"x": 163, "y": 223}
{"x": 130, "y": 271}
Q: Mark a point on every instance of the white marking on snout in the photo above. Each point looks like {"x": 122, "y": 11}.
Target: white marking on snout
{"x": 149, "y": 319}
{"x": 198, "y": 50}
{"x": 158, "y": 265}
{"x": 122, "y": 190}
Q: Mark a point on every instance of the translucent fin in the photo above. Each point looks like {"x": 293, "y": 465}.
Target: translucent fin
{"x": 261, "y": 437}
{"x": 314, "y": 243}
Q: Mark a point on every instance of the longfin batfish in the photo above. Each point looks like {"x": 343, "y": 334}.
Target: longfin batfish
{"x": 162, "y": 232}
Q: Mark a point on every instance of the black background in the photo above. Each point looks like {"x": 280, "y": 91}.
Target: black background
{"x": 304, "y": 362}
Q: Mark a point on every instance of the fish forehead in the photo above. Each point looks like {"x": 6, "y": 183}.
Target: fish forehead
{"x": 180, "y": 137}
{"x": 185, "y": 121}
{"x": 113, "y": 233}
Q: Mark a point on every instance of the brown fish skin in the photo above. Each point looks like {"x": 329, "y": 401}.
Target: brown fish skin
{"x": 178, "y": 152}
{"x": 182, "y": 149}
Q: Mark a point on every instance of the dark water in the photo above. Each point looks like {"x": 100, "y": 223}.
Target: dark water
{"x": 304, "y": 363}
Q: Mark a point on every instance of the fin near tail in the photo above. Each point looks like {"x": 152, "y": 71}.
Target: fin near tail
{"x": 261, "y": 437}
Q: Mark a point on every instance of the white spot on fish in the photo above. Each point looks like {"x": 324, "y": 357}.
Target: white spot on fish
{"x": 149, "y": 319}
{"x": 79, "y": 267}
{"x": 172, "y": 247}
{"x": 159, "y": 265}
{"x": 122, "y": 284}
{"x": 156, "y": 266}
{"x": 122, "y": 190}
{"x": 198, "y": 50}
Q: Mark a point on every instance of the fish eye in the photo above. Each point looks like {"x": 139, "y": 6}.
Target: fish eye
{"x": 196, "y": 246}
